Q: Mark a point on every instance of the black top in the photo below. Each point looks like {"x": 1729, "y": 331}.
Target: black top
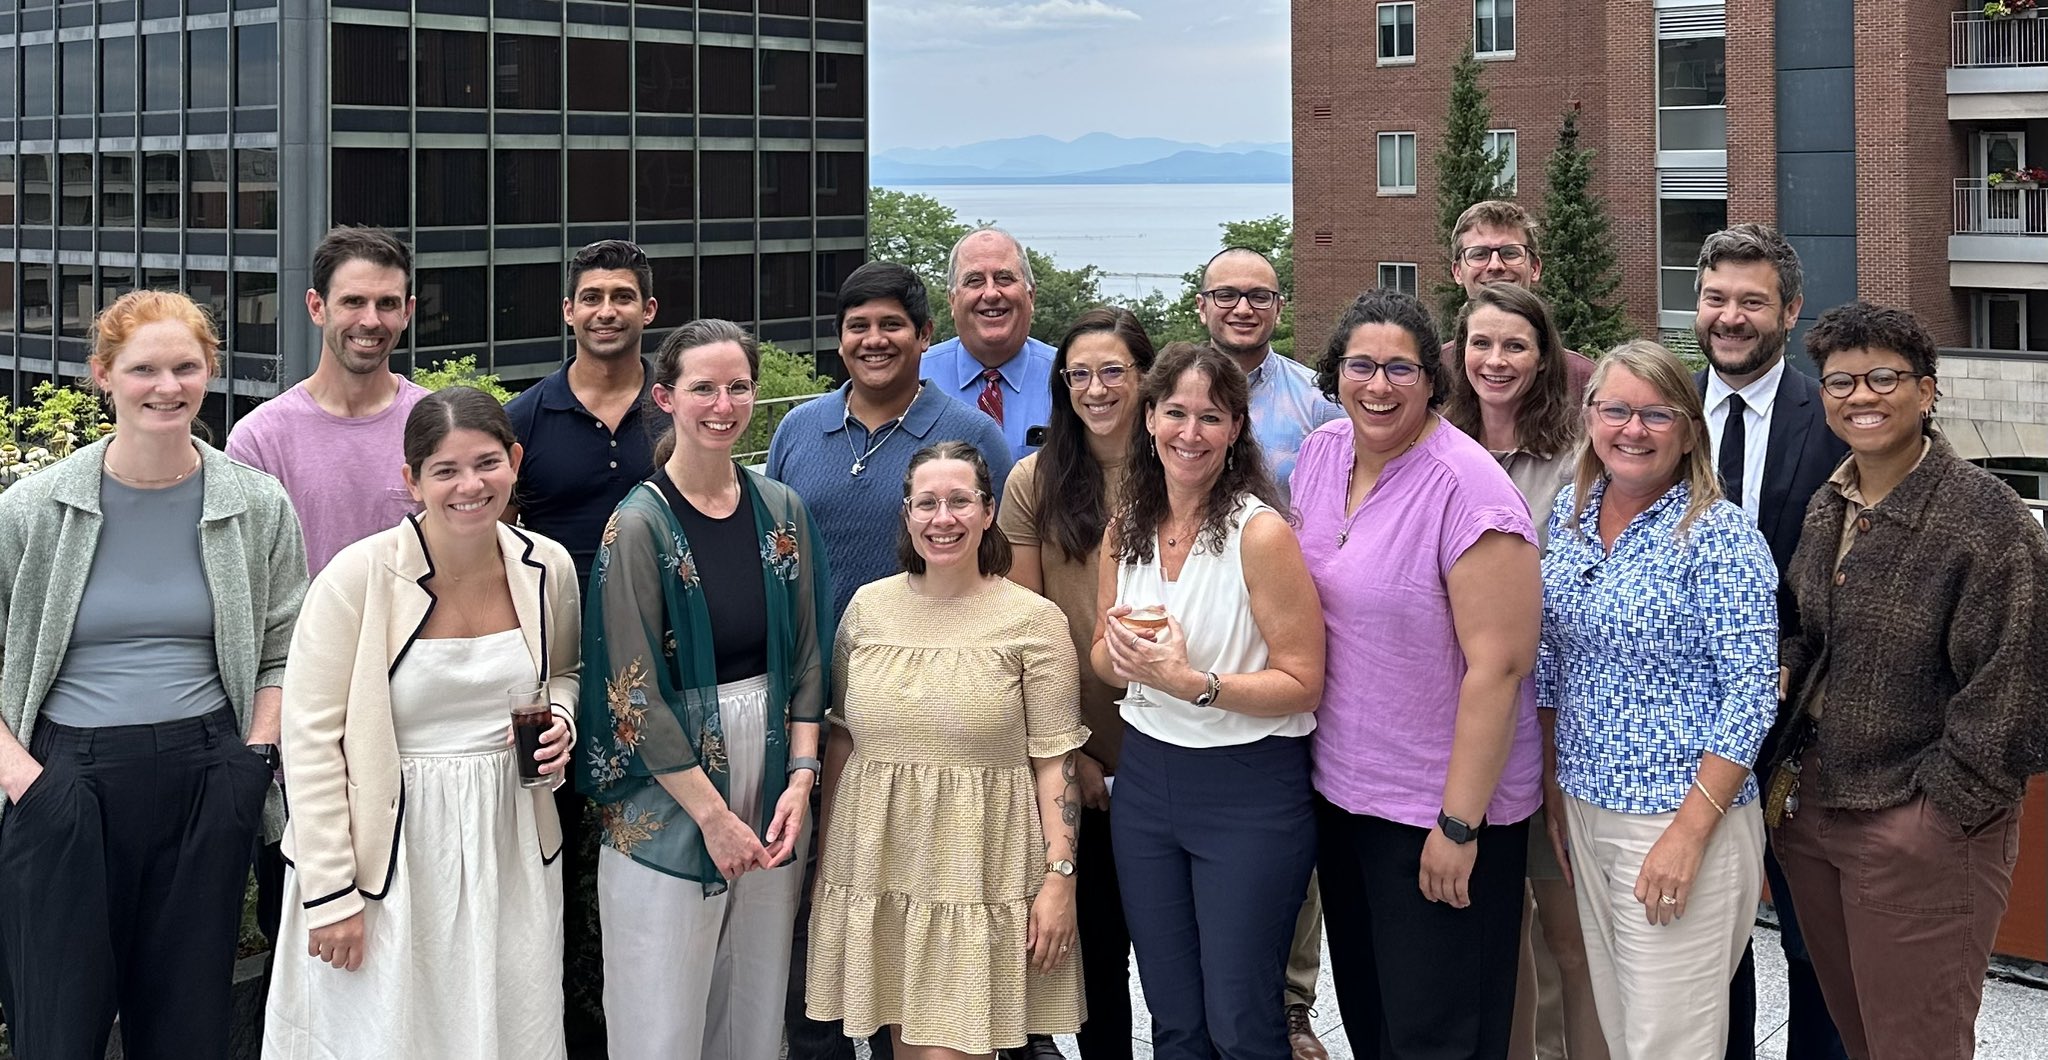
{"x": 576, "y": 471}
{"x": 727, "y": 554}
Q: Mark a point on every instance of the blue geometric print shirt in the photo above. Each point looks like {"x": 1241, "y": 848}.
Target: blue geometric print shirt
{"x": 1664, "y": 648}
{"x": 1285, "y": 407}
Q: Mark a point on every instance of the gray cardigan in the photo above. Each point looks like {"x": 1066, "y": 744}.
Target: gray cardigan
{"x": 255, "y": 567}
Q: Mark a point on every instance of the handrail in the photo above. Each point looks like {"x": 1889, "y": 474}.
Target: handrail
{"x": 1979, "y": 41}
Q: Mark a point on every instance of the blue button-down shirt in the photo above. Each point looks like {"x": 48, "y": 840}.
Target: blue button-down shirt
{"x": 576, "y": 470}
{"x": 1658, "y": 651}
{"x": 1286, "y": 406}
{"x": 1027, "y": 395}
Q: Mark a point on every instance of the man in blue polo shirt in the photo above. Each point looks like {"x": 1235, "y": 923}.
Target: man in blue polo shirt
{"x": 994, "y": 365}
{"x": 846, "y": 454}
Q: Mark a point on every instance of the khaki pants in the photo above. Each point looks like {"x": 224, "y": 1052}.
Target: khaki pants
{"x": 1305, "y": 960}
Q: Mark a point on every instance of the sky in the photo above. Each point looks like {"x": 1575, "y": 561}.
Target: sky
{"x": 950, "y": 72}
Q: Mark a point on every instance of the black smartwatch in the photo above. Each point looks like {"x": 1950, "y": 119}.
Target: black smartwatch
{"x": 1458, "y": 831}
{"x": 269, "y": 753}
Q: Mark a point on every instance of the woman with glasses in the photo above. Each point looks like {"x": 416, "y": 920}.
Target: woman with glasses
{"x": 1917, "y": 684}
{"x": 1426, "y": 746}
{"x": 1658, "y": 676}
{"x": 945, "y": 898}
{"x": 709, "y": 606}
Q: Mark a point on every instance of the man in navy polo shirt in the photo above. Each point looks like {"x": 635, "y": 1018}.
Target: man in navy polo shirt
{"x": 588, "y": 430}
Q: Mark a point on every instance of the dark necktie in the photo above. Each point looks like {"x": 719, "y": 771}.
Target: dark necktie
{"x": 991, "y": 400}
{"x": 1733, "y": 442}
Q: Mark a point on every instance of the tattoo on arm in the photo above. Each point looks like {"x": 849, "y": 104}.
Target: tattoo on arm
{"x": 1069, "y": 801}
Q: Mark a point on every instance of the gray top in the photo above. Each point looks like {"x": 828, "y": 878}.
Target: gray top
{"x": 141, "y": 648}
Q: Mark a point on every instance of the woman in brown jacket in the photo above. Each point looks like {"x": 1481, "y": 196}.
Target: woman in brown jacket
{"x": 1918, "y": 701}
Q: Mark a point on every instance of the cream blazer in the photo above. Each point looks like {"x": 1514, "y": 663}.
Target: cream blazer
{"x": 361, "y": 615}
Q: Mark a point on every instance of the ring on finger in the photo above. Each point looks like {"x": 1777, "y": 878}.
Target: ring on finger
{"x": 1668, "y": 900}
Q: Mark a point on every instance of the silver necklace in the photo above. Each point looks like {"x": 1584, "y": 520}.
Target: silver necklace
{"x": 860, "y": 459}
{"x": 1351, "y": 479}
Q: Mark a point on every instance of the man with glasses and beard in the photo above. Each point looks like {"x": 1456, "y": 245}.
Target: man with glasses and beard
{"x": 1773, "y": 447}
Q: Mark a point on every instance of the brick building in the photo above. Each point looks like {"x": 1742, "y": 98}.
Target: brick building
{"x": 1867, "y": 131}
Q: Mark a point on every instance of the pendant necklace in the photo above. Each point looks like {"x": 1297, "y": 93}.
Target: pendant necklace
{"x": 1351, "y": 478}
{"x": 860, "y": 459}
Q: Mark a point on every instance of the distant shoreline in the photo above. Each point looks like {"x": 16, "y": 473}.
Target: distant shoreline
{"x": 1068, "y": 179}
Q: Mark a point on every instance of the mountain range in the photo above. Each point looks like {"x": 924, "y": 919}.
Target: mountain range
{"x": 1097, "y": 158}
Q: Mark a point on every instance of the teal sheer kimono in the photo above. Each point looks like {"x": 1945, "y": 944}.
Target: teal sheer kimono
{"x": 650, "y": 689}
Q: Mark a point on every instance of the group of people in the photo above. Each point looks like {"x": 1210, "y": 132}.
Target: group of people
{"x": 1512, "y": 674}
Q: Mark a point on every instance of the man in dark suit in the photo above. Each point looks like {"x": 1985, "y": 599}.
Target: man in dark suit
{"x": 1773, "y": 447}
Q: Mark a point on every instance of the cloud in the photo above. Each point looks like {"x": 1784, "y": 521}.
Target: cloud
{"x": 993, "y": 20}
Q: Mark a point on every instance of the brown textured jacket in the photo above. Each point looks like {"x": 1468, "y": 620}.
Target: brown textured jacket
{"x": 1929, "y": 642}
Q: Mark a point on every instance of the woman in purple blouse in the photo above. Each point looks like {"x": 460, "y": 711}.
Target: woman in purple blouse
{"x": 1427, "y": 751}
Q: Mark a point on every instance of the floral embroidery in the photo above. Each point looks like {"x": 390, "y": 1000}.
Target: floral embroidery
{"x": 779, "y": 552}
{"x": 611, "y": 530}
{"x": 668, "y": 644}
{"x": 711, "y": 750}
{"x": 681, "y": 562}
{"x": 605, "y": 769}
{"x": 624, "y": 828}
{"x": 627, "y": 694}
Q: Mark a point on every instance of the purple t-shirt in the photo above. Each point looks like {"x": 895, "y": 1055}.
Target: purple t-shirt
{"x": 1390, "y": 701}
{"x": 342, "y": 474}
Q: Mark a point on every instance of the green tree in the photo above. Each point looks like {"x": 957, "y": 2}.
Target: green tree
{"x": 918, "y": 231}
{"x": 1179, "y": 320}
{"x": 783, "y": 375}
{"x": 1580, "y": 274}
{"x": 1061, "y": 295}
{"x": 1466, "y": 172}
{"x": 460, "y": 371}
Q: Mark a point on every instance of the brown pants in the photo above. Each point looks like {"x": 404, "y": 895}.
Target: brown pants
{"x": 1900, "y": 907}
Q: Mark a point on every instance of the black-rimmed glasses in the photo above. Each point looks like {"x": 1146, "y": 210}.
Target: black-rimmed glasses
{"x": 1879, "y": 380}
{"x": 1510, "y": 253}
{"x": 1399, "y": 373}
{"x": 1226, "y": 297}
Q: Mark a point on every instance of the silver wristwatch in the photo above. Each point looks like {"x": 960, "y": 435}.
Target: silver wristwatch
{"x": 816, "y": 767}
{"x": 1208, "y": 696}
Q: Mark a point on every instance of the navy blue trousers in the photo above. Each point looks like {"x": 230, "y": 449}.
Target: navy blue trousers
{"x": 1213, "y": 851}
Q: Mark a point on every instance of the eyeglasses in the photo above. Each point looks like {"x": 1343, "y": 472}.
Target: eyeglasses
{"x": 1510, "y": 253}
{"x": 924, "y": 507}
{"x": 1879, "y": 380}
{"x": 1618, "y": 413}
{"x": 704, "y": 393}
{"x": 1226, "y": 297}
{"x": 1112, "y": 375}
{"x": 1399, "y": 373}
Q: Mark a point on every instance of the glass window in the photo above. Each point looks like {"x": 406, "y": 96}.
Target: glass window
{"x": 117, "y": 190}
{"x": 162, "y": 71}
{"x": 447, "y": 189}
{"x": 210, "y": 290}
{"x": 664, "y": 179}
{"x": 529, "y": 72}
{"x": 529, "y": 187}
{"x": 1692, "y": 90}
{"x": 725, "y": 80}
{"x": 256, "y": 189}
{"x": 1682, "y": 225}
{"x": 602, "y": 69}
{"x": 834, "y": 266}
{"x": 38, "y": 80}
{"x": 785, "y": 83}
{"x": 370, "y": 186}
{"x": 675, "y": 285}
{"x": 528, "y": 302}
{"x": 796, "y": 8}
{"x": 600, "y": 186}
{"x": 256, "y": 65}
{"x": 842, "y": 190}
{"x": 36, "y": 190}
{"x": 1493, "y": 27}
{"x": 1501, "y": 142}
{"x": 451, "y": 307}
{"x": 1398, "y": 276}
{"x": 256, "y": 312}
{"x": 728, "y": 184}
{"x": 37, "y": 312}
{"x": 1397, "y": 34}
{"x": 1397, "y": 163}
{"x": 455, "y": 68}
{"x": 7, "y": 102}
{"x": 74, "y": 300}
{"x": 75, "y": 206}
{"x": 847, "y": 10}
{"x": 207, "y": 74}
{"x": 162, "y": 191}
{"x": 842, "y": 85}
{"x": 785, "y": 286}
{"x": 661, "y": 77}
{"x": 785, "y": 184}
{"x": 6, "y": 199}
{"x": 370, "y": 65}
{"x": 728, "y": 287}
{"x": 117, "y": 75}
{"x": 206, "y": 174}
{"x": 114, "y": 283}
{"x": 75, "y": 63}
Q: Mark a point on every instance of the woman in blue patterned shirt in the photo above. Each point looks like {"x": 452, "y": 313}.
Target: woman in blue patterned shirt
{"x": 1658, "y": 672}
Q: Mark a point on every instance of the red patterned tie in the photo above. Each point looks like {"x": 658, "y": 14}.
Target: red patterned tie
{"x": 991, "y": 400}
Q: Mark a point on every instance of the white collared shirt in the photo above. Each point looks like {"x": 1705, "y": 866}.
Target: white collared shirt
{"x": 1761, "y": 396}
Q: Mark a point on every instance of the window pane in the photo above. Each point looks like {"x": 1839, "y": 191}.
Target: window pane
{"x": 114, "y": 283}
{"x": 728, "y": 184}
{"x": 664, "y": 192}
{"x": 529, "y": 187}
{"x": 1390, "y": 162}
{"x": 6, "y": 201}
{"x": 38, "y": 74}
{"x": 454, "y": 68}
{"x": 117, "y": 75}
{"x": 834, "y": 266}
{"x": 785, "y": 184}
{"x": 599, "y": 186}
{"x": 727, "y": 284}
{"x": 256, "y": 65}
{"x": 7, "y": 83}
{"x": 726, "y": 80}
{"x": 842, "y": 191}
{"x": 1702, "y": 129}
{"x": 1692, "y": 72}
{"x": 75, "y": 62}
{"x": 36, "y": 189}
{"x": 1407, "y": 142}
{"x": 210, "y": 290}
{"x": 370, "y": 67}
{"x": 162, "y": 191}
{"x": 36, "y": 311}
{"x": 842, "y": 85}
{"x": 369, "y": 186}
{"x": 601, "y": 70}
{"x": 448, "y": 189}
{"x": 1683, "y": 224}
{"x": 529, "y": 72}
{"x": 785, "y": 83}
{"x": 256, "y": 189}
{"x": 162, "y": 73}
{"x": 256, "y": 312}
{"x": 74, "y": 300}
{"x": 662, "y": 78}
{"x": 75, "y": 206}
{"x": 207, "y": 205}
{"x": 675, "y": 285}
{"x": 450, "y": 304}
{"x": 1387, "y": 37}
{"x": 117, "y": 190}
{"x": 207, "y": 74}
{"x": 785, "y": 286}
{"x": 528, "y": 301}
{"x": 1404, "y": 43}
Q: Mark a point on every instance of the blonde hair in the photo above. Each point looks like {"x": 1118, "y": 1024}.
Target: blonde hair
{"x": 117, "y": 324}
{"x": 1659, "y": 367}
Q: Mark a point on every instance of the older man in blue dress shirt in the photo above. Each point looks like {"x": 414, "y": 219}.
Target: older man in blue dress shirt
{"x": 994, "y": 364}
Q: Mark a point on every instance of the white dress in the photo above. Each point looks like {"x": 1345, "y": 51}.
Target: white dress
{"x": 463, "y": 955}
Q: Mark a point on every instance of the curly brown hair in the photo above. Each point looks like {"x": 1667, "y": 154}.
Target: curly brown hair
{"x": 1244, "y": 471}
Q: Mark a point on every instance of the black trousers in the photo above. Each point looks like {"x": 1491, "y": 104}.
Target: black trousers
{"x": 121, "y": 878}
{"x": 582, "y": 936}
{"x": 1416, "y": 979}
{"x": 1105, "y": 945}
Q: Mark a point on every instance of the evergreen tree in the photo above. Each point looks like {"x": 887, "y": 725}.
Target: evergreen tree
{"x": 1466, "y": 172}
{"x": 1580, "y": 277}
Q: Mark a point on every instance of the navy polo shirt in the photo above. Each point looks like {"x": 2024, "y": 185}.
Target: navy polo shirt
{"x": 576, "y": 470}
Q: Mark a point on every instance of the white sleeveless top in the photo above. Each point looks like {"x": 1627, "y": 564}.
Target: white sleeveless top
{"x": 1214, "y": 608}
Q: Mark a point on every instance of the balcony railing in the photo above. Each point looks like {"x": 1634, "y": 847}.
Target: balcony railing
{"x": 2013, "y": 41}
{"x": 2008, "y": 209}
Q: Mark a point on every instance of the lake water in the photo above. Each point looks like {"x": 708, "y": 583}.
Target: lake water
{"x": 1142, "y": 236}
